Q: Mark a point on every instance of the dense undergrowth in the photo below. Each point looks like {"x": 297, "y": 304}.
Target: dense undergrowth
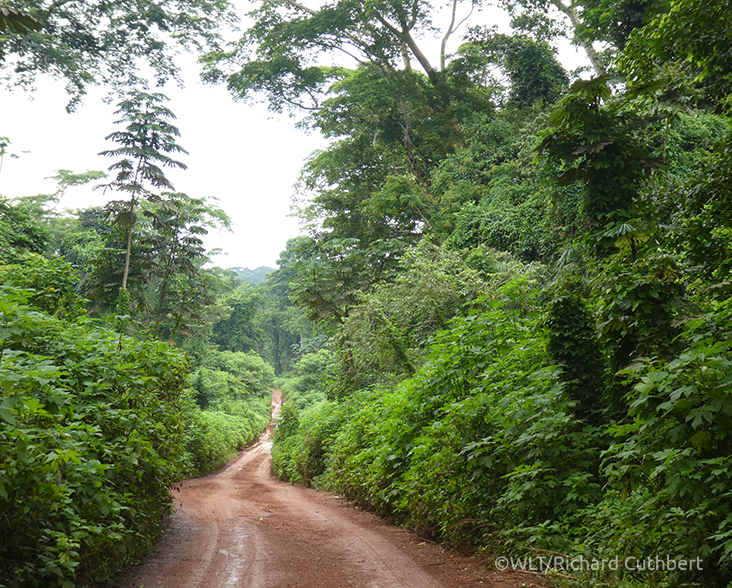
{"x": 97, "y": 428}
{"x": 486, "y": 446}
{"x": 508, "y": 324}
{"x": 227, "y": 407}
{"x": 577, "y": 405}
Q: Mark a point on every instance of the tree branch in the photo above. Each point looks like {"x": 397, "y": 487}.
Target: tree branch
{"x": 447, "y": 35}
{"x": 405, "y": 57}
{"x": 462, "y": 22}
{"x": 595, "y": 59}
{"x": 409, "y": 40}
{"x": 297, "y": 104}
{"x": 415, "y": 11}
{"x": 298, "y": 6}
{"x": 409, "y": 148}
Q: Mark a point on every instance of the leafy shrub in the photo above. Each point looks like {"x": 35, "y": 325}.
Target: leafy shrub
{"x": 478, "y": 438}
{"x": 307, "y": 425}
{"x": 20, "y": 233}
{"x": 89, "y": 447}
{"x": 227, "y": 408}
{"x": 485, "y": 442}
{"x": 254, "y": 374}
{"x": 213, "y": 436}
{"x": 48, "y": 284}
{"x": 311, "y": 370}
{"x": 675, "y": 455}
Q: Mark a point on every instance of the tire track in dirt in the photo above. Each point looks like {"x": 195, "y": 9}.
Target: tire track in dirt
{"x": 242, "y": 528}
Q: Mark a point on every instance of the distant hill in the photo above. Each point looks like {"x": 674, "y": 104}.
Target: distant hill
{"x": 252, "y": 276}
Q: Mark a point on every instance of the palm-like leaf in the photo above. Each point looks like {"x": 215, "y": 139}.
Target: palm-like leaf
{"x": 17, "y": 22}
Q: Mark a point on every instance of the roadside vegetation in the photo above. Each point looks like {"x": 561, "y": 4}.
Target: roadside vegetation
{"x": 507, "y": 324}
{"x": 121, "y": 368}
{"x": 525, "y": 284}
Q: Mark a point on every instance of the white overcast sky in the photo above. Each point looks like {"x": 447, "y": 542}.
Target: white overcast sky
{"x": 237, "y": 153}
{"x": 241, "y": 154}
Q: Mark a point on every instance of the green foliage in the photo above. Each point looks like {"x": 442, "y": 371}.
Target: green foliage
{"x": 311, "y": 370}
{"x": 489, "y": 441}
{"x": 226, "y": 408}
{"x": 48, "y": 284}
{"x": 177, "y": 226}
{"x": 451, "y": 381}
{"x": 389, "y": 123}
{"x": 252, "y": 276}
{"x": 90, "y": 445}
{"x": 43, "y": 208}
{"x": 615, "y": 21}
{"x": 637, "y": 308}
{"x": 579, "y": 407}
{"x": 385, "y": 335}
{"x": 704, "y": 234}
{"x": 302, "y": 440}
{"x": 17, "y": 21}
{"x": 676, "y": 450}
{"x": 171, "y": 294}
{"x": 214, "y": 435}
{"x": 103, "y": 43}
{"x": 595, "y": 144}
{"x": 280, "y": 331}
{"x": 465, "y": 445}
{"x": 308, "y": 421}
{"x": 664, "y": 48}
{"x": 238, "y": 332}
{"x": 282, "y": 41}
{"x": 231, "y": 374}
{"x": 497, "y": 194}
{"x": 97, "y": 427}
{"x": 534, "y": 73}
{"x": 329, "y": 274}
{"x": 144, "y": 146}
{"x": 572, "y": 345}
{"x": 19, "y": 233}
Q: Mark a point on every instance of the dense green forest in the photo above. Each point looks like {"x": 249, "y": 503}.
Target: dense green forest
{"x": 506, "y": 324}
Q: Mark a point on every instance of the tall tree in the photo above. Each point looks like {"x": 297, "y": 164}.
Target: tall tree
{"x": 144, "y": 145}
{"x": 334, "y": 59}
{"x": 531, "y": 66}
{"x": 177, "y": 225}
{"x": 609, "y": 22}
{"x": 298, "y": 51}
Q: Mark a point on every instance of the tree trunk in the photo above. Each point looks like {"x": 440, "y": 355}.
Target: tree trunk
{"x": 595, "y": 58}
{"x": 126, "y": 272}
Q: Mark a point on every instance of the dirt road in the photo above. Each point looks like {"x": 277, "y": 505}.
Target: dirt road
{"x": 241, "y": 528}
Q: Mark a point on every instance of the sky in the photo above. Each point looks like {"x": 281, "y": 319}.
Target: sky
{"x": 238, "y": 153}
{"x": 241, "y": 154}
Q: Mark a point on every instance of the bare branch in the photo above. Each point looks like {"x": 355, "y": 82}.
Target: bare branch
{"x": 298, "y": 6}
{"x": 447, "y": 35}
{"x": 462, "y": 22}
{"x": 411, "y": 43}
{"x": 595, "y": 59}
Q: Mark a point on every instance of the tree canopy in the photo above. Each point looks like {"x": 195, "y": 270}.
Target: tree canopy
{"x": 113, "y": 44}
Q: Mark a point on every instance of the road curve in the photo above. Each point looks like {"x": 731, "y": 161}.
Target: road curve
{"x": 242, "y": 528}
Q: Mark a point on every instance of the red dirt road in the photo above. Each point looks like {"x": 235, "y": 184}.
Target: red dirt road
{"x": 242, "y": 528}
